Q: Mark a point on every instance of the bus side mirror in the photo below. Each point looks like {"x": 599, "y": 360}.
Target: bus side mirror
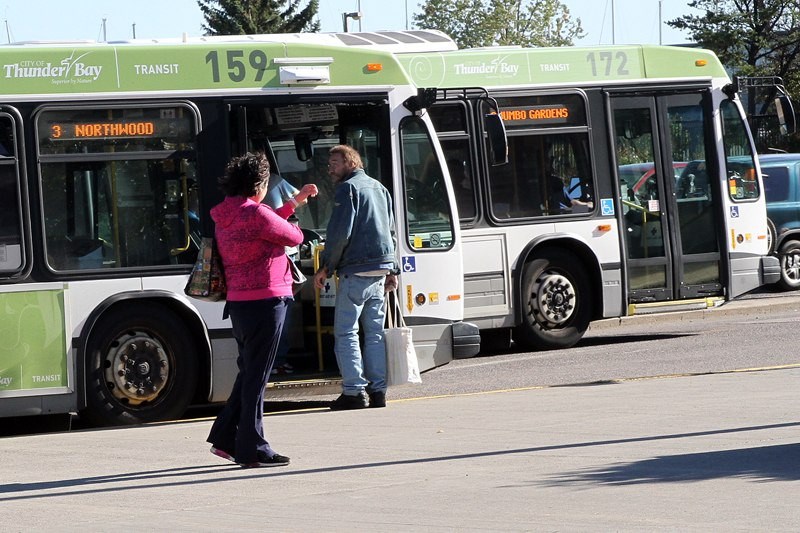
{"x": 786, "y": 118}
{"x": 496, "y": 137}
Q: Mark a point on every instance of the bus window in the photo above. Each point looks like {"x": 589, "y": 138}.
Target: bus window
{"x": 694, "y": 190}
{"x": 742, "y": 180}
{"x": 11, "y": 260}
{"x": 458, "y": 164}
{"x": 429, "y": 221}
{"x": 548, "y": 171}
{"x": 450, "y": 123}
{"x": 545, "y": 175}
{"x": 116, "y": 187}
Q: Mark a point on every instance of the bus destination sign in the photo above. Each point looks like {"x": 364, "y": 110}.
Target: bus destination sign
{"x": 122, "y": 129}
{"x": 535, "y": 115}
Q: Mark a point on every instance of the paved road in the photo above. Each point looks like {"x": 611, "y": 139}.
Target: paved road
{"x": 702, "y": 453}
{"x": 715, "y": 452}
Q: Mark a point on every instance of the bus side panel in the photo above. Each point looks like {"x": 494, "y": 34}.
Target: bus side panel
{"x": 486, "y": 284}
{"x": 433, "y": 344}
{"x": 223, "y": 367}
{"x": 29, "y": 405}
{"x": 614, "y": 304}
{"x": 34, "y": 359}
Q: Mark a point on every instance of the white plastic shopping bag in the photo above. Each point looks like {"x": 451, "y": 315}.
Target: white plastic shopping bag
{"x": 402, "y": 366}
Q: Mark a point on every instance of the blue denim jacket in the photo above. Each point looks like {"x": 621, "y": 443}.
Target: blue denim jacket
{"x": 360, "y": 234}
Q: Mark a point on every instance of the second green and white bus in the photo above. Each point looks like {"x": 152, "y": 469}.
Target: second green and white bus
{"x": 631, "y": 185}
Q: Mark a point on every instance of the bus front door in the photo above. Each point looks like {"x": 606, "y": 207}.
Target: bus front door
{"x": 670, "y": 225}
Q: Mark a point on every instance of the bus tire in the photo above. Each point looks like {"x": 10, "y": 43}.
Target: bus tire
{"x": 555, "y": 303}
{"x": 772, "y": 237}
{"x": 141, "y": 366}
{"x": 789, "y": 256}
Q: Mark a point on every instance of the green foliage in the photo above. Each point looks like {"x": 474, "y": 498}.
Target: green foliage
{"x": 248, "y": 17}
{"x": 751, "y": 37}
{"x": 476, "y": 23}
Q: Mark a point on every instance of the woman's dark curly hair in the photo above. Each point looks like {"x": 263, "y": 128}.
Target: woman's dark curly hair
{"x": 245, "y": 175}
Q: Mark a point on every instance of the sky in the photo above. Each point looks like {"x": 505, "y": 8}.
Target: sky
{"x": 634, "y": 21}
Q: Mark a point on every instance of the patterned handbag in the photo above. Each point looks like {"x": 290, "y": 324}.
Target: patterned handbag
{"x": 207, "y": 280}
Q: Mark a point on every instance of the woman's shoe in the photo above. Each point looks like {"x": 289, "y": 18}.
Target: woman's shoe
{"x": 262, "y": 460}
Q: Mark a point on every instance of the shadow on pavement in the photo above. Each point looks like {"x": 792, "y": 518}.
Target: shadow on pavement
{"x": 594, "y": 340}
{"x": 766, "y": 463}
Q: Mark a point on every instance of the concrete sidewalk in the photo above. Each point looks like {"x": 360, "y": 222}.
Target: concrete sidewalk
{"x": 702, "y": 453}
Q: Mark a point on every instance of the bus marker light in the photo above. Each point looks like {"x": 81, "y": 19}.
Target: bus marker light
{"x": 604, "y": 227}
{"x": 453, "y": 297}
{"x": 700, "y": 63}
{"x": 374, "y": 67}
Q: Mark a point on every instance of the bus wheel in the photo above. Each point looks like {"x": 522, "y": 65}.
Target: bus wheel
{"x": 772, "y": 236}
{"x": 555, "y": 303}
{"x": 789, "y": 256}
{"x": 140, "y": 366}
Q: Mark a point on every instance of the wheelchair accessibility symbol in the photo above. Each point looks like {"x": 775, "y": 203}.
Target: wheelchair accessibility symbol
{"x": 734, "y": 211}
{"x": 606, "y": 207}
{"x": 409, "y": 264}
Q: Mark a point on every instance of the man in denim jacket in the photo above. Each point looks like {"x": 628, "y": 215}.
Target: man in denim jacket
{"x": 360, "y": 249}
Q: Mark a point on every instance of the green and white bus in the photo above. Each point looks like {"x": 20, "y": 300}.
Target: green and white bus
{"x": 631, "y": 185}
{"x": 109, "y": 156}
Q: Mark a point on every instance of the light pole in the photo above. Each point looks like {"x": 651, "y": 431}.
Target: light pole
{"x": 355, "y": 15}
{"x": 613, "y": 33}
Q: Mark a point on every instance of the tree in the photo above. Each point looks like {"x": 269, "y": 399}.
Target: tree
{"x": 474, "y": 23}
{"x": 751, "y": 38}
{"x": 247, "y": 17}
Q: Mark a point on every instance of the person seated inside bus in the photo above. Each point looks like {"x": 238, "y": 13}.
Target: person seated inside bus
{"x": 562, "y": 202}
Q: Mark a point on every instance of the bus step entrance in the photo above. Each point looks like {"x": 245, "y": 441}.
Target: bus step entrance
{"x": 679, "y": 305}
{"x": 304, "y": 387}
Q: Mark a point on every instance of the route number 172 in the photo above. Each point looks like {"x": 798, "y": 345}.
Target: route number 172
{"x": 608, "y": 63}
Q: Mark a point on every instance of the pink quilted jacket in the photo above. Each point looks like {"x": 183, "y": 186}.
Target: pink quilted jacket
{"x": 251, "y": 239}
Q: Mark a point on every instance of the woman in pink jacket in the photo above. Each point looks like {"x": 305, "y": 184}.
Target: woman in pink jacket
{"x": 251, "y": 239}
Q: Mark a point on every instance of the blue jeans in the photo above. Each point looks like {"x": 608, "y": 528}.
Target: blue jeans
{"x": 360, "y": 297}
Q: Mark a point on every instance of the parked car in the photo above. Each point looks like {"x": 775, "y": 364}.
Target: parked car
{"x": 782, "y": 191}
{"x": 640, "y": 177}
